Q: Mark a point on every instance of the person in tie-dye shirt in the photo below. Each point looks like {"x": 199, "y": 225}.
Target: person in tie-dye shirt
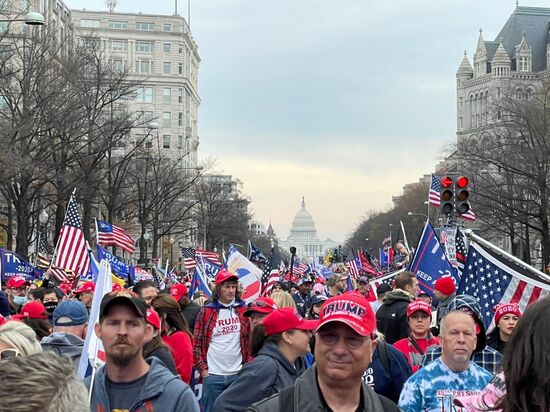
{"x": 434, "y": 387}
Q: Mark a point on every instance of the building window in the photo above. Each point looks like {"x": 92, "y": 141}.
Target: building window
{"x": 167, "y": 67}
{"x": 145, "y": 26}
{"x": 460, "y": 123}
{"x": 144, "y": 94}
{"x": 166, "y": 119}
{"x": 144, "y": 46}
{"x": 117, "y": 65}
{"x": 460, "y": 102}
{"x": 93, "y": 24}
{"x": 144, "y": 66}
{"x": 118, "y": 45}
{"x": 166, "y": 141}
{"x": 167, "y": 47}
{"x": 166, "y": 27}
{"x": 523, "y": 64}
{"x": 180, "y": 119}
{"x": 118, "y": 25}
{"x": 180, "y": 68}
{"x": 180, "y": 142}
{"x": 180, "y": 95}
{"x": 180, "y": 50}
{"x": 167, "y": 95}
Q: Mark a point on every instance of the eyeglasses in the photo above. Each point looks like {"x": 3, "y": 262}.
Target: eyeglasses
{"x": 8, "y": 354}
{"x": 260, "y": 304}
{"x": 351, "y": 341}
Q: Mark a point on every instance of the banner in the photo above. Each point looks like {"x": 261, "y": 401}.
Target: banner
{"x": 249, "y": 275}
{"x": 12, "y": 264}
{"x": 448, "y": 240}
{"x": 119, "y": 267}
{"x": 209, "y": 267}
{"x": 199, "y": 283}
{"x": 429, "y": 262}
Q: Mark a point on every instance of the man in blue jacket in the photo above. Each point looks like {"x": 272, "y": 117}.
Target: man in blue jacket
{"x": 127, "y": 381}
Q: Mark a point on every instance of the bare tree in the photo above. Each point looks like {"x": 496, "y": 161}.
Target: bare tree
{"x": 111, "y": 5}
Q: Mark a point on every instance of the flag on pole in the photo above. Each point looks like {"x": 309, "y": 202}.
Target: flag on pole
{"x": 353, "y": 266}
{"x": 191, "y": 257}
{"x": 387, "y": 279}
{"x": 256, "y": 254}
{"x": 199, "y": 283}
{"x": 434, "y": 196}
{"x": 45, "y": 253}
{"x": 460, "y": 245}
{"x": 301, "y": 269}
{"x": 93, "y": 353}
{"x": 210, "y": 268}
{"x": 469, "y": 215}
{"x": 492, "y": 278}
{"x": 270, "y": 275}
{"x": 111, "y": 235}
{"x": 249, "y": 275}
{"x": 71, "y": 252}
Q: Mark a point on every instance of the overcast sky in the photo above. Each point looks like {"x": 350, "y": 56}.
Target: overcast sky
{"x": 342, "y": 102}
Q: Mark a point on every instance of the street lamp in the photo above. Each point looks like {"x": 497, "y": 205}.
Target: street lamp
{"x": 31, "y": 19}
{"x": 43, "y": 217}
{"x": 146, "y": 237}
{"x": 172, "y": 241}
{"x": 418, "y": 214}
{"x": 42, "y": 220}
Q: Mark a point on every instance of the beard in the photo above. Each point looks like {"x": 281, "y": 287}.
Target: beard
{"x": 122, "y": 356}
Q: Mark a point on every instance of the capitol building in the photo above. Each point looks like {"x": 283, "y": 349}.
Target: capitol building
{"x": 303, "y": 235}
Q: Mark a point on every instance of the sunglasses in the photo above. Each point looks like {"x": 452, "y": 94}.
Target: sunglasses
{"x": 8, "y": 354}
{"x": 260, "y": 304}
{"x": 352, "y": 342}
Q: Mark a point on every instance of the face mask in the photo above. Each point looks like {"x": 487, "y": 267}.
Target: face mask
{"x": 20, "y": 300}
{"x": 50, "y": 306}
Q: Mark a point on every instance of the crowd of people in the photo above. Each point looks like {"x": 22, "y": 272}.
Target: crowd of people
{"x": 312, "y": 345}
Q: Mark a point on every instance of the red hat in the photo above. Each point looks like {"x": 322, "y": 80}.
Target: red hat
{"x": 419, "y": 305}
{"x": 116, "y": 287}
{"x": 16, "y": 282}
{"x": 285, "y": 319}
{"x": 502, "y": 309}
{"x": 32, "y": 310}
{"x": 261, "y": 305}
{"x": 153, "y": 318}
{"x": 445, "y": 285}
{"x": 351, "y": 309}
{"x": 178, "y": 290}
{"x": 65, "y": 287}
{"x": 85, "y": 287}
{"x": 224, "y": 275}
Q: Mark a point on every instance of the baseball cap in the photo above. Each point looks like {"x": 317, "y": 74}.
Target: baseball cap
{"x": 383, "y": 288}
{"x": 85, "y": 287}
{"x": 153, "y": 318}
{"x": 16, "y": 282}
{"x": 261, "y": 305}
{"x": 178, "y": 290}
{"x": 318, "y": 288}
{"x": 70, "y": 313}
{"x": 303, "y": 280}
{"x": 351, "y": 309}
{"x": 65, "y": 287}
{"x": 486, "y": 399}
{"x": 284, "y": 319}
{"x": 32, "y": 310}
{"x": 363, "y": 279}
{"x": 315, "y": 300}
{"x": 124, "y": 297}
{"x": 224, "y": 275}
{"x": 419, "y": 305}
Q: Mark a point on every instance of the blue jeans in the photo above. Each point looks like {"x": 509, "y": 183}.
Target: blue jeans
{"x": 212, "y": 387}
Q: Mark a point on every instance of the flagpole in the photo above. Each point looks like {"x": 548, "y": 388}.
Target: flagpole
{"x": 405, "y": 237}
{"x": 470, "y": 234}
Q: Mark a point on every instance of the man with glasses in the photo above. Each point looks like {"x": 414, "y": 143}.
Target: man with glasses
{"x": 343, "y": 351}
{"x": 16, "y": 290}
{"x": 434, "y": 387}
{"x": 259, "y": 309}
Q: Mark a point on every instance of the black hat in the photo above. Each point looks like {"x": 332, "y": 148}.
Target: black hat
{"x": 124, "y": 297}
{"x": 383, "y": 288}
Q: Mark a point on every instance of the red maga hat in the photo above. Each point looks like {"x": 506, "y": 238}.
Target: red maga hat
{"x": 285, "y": 319}
{"x": 177, "y": 291}
{"x": 419, "y": 305}
{"x": 153, "y": 318}
{"x": 32, "y": 310}
{"x": 224, "y": 275}
{"x": 261, "y": 305}
{"x": 85, "y": 287}
{"x": 16, "y": 282}
{"x": 352, "y": 309}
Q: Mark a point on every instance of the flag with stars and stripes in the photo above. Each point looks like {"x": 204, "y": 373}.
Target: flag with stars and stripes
{"x": 45, "y": 253}
{"x": 270, "y": 275}
{"x": 354, "y": 267}
{"x": 434, "y": 196}
{"x": 71, "y": 252}
{"x": 492, "y": 278}
{"x": 111, "y": 235}
{"x": 191, "y": 257}
{"x": 387, "y": 279}
{"x": 469, "y": 215}
{"x": 460, "y": 246}
{"x": 301, "y": 269}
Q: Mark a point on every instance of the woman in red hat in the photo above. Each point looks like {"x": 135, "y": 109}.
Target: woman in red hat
{"x": 278, "y": 344}
{"x": 34, "y": 315}
{"x": 506, "y": 319}
{"x": 419, "y": 317}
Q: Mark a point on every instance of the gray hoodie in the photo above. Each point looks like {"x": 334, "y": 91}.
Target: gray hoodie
{"x": 64, "y": 344}
{"x": 162, "y": 391}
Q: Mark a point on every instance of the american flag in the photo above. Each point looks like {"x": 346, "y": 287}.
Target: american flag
{"x": 301, "y": 269}
{"x": 191, "y": 256}
{"x": 435, "y": 191}
{"x": 469, "y": 215}
{"x": 270, "y": 276}
{"x": 388, "y": 279}
{"x": 62, "y": 275}
{"x": 353, "y": 268}
{"x": 492, "y": 278}
{"x": 460, "y": 245}
{"x": 71, "y": 251}
{"x": 111, "y": 235}
{"x": 44, "y": 253}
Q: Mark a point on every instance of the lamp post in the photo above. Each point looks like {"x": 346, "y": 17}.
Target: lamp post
{"x": 146, "y": 237}
{"x": 172, "y": 241}
{"x": 42, "y": 221}
{"x": 31, "y": 19}
{"x": 418, "y": 214}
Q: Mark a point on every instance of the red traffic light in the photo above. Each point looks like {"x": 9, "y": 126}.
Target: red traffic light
{"x": 446, "y": 181}
{"x": 462, "y": 182}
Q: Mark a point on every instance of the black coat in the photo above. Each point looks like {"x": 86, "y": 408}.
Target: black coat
{"x": 391, "y": 317}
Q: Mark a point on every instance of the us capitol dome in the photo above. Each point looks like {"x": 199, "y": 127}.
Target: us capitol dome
{"x": 303, "y": 235}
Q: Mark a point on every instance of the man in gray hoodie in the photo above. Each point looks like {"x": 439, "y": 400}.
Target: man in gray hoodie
{"x": 70, "y": 322}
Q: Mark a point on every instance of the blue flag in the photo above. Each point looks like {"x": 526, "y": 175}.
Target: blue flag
{"x": 430, "y": 262}
{"x": 117, "y": 266}
{"x": 12, "y": 264}
{"x": 210, "y": 268}
{"x": 256, "y": 254}
{"x": 199, "y": 282}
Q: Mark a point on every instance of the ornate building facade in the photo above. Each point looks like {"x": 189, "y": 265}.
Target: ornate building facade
{"x": 303, "y": 235}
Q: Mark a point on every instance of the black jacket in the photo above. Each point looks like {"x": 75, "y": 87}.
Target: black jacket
{"x": 268, "y": 373}
{"x": 306, "y": 397}
{"x": 391, "y": 317}
{"x": 189, "y": 312}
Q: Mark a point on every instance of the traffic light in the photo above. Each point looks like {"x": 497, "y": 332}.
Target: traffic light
{"x": 463, "y": 193}
{"x": 447, "y": 195}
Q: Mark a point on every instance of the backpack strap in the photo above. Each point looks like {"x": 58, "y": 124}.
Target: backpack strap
{"x": 286, "y": 399}
{"x": 415, "y": 344}
{"x": 384, "y": 358}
